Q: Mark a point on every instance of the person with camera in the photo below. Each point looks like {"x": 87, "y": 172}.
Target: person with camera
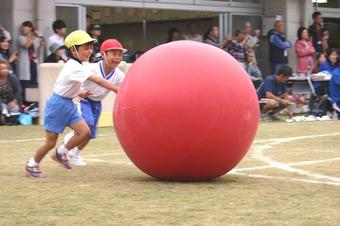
{"x": 29, "y": 44}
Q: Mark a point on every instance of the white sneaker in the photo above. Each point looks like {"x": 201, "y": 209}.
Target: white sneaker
{"x": 75, "y": 158}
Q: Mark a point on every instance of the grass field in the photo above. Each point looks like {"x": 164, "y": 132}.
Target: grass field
{"x": 290, "y": 176}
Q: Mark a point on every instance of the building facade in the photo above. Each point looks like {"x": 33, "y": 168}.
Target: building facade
{"x": 143, "y": 24}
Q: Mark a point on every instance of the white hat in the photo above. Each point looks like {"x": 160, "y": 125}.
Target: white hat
{"x": 55, "y": 46}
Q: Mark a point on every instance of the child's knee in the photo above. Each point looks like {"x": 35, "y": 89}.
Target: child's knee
{"x": 50, "y": 144}
{"x": 86, "y": 134}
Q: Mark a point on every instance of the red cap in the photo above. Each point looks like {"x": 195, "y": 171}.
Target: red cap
{"x": 111, "y": 44}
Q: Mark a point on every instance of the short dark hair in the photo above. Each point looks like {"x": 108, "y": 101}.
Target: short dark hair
{"x": 27, "y": 24}
{"x": 299, "y": 32}
{"x": 315, "y": 14}
{"x": 58, "y": 24}
{"x": 285, "y": 70}
{"x": 329, "y": 52}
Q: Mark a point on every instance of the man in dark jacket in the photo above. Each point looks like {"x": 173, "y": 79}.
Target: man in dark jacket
{"x": 318, "y": 33}
{"x": 278, "y": 46}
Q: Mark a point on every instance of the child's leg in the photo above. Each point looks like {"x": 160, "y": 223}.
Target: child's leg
{"x": 81, "y": 134}
{"x": 50, "y": 142}
{"x": 32, "y": 166}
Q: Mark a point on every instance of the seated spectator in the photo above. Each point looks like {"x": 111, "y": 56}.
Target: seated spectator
{"x": 320, "y": 58}
{"x": 212, "y": 36}
{"x": 334, "y": 88}
{"x": 57, "y": 52}
{"x": 5, "y": 33}
{"x": 174, "y": 35}
{"x": 328, "y": 65}
{"x": 252, "y": 69}
{"x": 305, "y": 53}
{"x": 273, "y": 93}
{"x": 5, "y": 54}
{"x": 237, "y": 49}
{"x": 10, "y": 94}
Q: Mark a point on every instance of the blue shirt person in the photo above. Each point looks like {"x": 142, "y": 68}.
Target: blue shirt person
{"x": 273, "y": 92}
{"x": 334, "y": 86}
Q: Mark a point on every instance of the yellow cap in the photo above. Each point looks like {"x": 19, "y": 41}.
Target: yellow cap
{"x": 78, "y": 37}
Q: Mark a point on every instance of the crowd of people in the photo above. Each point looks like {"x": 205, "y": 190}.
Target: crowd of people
{"x": 313, "y": 55}
{"x": 19, "y": 69}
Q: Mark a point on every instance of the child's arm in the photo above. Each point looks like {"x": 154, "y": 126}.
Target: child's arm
{"x": 103, "y": 83}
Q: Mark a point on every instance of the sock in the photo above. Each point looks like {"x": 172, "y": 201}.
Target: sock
{"x": 62, "y": 150}
{"x": 76, "y": 151}
{"x": 32, "y": 163}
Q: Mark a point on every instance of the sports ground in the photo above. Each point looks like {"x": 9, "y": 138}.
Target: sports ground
{"x": 290, "y": 176}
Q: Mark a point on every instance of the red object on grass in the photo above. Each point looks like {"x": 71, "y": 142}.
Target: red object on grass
{"x": 186, "y": 111}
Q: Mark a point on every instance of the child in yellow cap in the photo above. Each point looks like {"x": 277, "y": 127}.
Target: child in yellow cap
{"x": 60, "y": 110}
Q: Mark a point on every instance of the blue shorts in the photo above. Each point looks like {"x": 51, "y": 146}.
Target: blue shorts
{"x": 90, "y": 110}
{"x": 60, "y": 112}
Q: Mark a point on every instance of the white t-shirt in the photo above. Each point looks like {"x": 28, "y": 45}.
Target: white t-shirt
{"x": 116, "y": 77}
{"x": 70, "y": 79}
{"x": 54, "y": 39}
{"x": 193, "y": 37}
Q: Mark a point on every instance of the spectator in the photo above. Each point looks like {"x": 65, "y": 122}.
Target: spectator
{"x": 59, "y": 28}
{"x": 212, "y": 36}
{"x": 192, "y": 33}
{"x": 252, "y": 40}
{"x": 88, "y": 22}
{"x": 329, "y": 65}
{"x": 30, "y": 44}
{"x": 273, "y": 93}
{"x": 57, "y": 52}
{"x": 305, "y": 53}
{"x": 278, "y": 46}
{"x": 320, "y": 58}
{"x": 334, "y": 88}
{"x": 10, "y": 93}
{"x": 252, "y": 69}
{"x": 237, "y": 49}
{"x": 174, "y": 35}
{"x": 4, "y": 52}
{"x": 95, "y": 32}
{"x": 318, "y": 33}
{"x": 5, "y": 33}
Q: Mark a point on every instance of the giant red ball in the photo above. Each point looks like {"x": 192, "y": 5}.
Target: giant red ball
{"x": 186, "y": 111}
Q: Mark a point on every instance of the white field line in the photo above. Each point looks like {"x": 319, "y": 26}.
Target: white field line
{"x": 303, "y": 163}
{"x": 286, "y": 178}
{"x": 295, "y": 138}
{"x": 255, "y": 142}
{"x": 259, "y": 154}
{"x": 236, "y": 173}
{"x": 109, "y": 161}
{"x": 258, "y": 151}
{"x": 103, "y": 154}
